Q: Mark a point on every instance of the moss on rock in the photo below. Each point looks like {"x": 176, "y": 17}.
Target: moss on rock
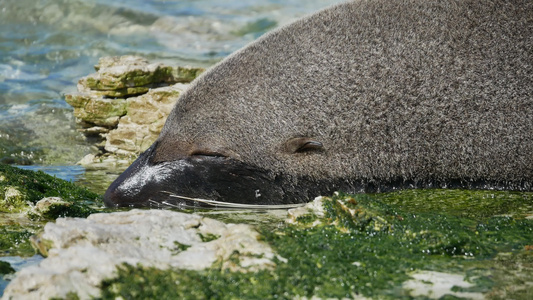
{"x": 21, "y": 189}
{"x": 14, "y": 241}
{"x": 132, "y": 75}
{"x": 371, "y": 246}
{"x": 97, "y": 110}
{"x": 12, "y": 200}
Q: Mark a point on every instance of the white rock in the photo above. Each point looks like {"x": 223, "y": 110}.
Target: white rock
{"x": 315, "y": 207}
{"x": 434, "y": 285}
{"x": 86, "y": 251}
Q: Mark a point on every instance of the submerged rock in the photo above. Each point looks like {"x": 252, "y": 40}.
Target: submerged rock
{"x": 83, "y": 252}
{"x": 124, "y": 105}
{"x": 350, "y": 214}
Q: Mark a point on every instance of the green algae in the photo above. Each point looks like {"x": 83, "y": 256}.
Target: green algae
{"x": 24, "y": 215}
{"x": 179, "y": 247}
{"x": 474, "y": 204}
{"x": 34, "y": 186}
{"x": 207, "y": 237}
{"x": 369, "y": 245}
{"x": 5, "y": 268}
{"x": 14, "y": 241}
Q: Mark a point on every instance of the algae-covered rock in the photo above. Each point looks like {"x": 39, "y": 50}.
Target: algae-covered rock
{"x": 346, "y": 213}
{"x": 146, "y": 116}
{"x": 396, "y": 233}
{"x": 360, "y": 247}
{"x": 21, "y": 189}
{"x": 123, "y": 106}
{"x": 131, "y": 75}
{"x": 83, "y": 252}
{"x": 12, "y": 200}
{"x": 437, "y": 285}
{"x": 96, "y": 110}
{"x": 186, "y": 74}
{"x": 15, "y": 240}
{"x": 50, "y": 208}
{"x": 345, "y": 246}
{"x": 120, "y": 76}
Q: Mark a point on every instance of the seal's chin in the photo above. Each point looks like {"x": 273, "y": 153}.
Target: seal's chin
{"x": 179, "y": 182}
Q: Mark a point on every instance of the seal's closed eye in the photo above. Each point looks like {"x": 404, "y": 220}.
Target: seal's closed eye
{"x": 303, "y": 144}
{"x": 206, "y": 152}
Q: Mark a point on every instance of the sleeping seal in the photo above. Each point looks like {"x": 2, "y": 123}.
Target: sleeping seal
{"x": 368, "y": 95}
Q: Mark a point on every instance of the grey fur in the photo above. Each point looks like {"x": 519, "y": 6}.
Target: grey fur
{"x": 411, "y": 90}
{"x": 367, "y": 95}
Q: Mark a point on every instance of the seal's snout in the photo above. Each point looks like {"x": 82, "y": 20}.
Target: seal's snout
{"x": 124, "y": 191}
{"x": 137, "y": 183}
{"x": 146, "y": 183}
{"x": 111, "y": 198}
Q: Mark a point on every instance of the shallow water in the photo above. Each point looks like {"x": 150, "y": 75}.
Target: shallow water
{"x": 46, "y": 46}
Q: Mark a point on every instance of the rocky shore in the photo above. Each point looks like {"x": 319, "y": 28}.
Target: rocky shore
{"x": 340, "y": 247}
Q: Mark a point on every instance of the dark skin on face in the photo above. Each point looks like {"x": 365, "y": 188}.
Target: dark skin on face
{"x": 210, "y": 176}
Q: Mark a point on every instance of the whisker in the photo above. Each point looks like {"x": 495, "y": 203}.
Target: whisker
{"x": 237, "y": 205}
{"x": 158, "y": 203}
{"x": 172, "y": 205}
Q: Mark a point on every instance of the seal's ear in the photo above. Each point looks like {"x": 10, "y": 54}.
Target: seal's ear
{"x": 303, "y": 144}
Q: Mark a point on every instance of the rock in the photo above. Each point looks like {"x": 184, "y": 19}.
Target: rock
{"x": 123, "y": 106}
{"x": 314, "y": 207}
{"x": 132, "y": 75}
{"x": 436, "y": 285}
{"x": 117, "y": 61}
{"x": 146, "y": 116}
{"x": 126, "y": 75}
{"x": 20, "y": 190}
{"x": 95, "y": 110}
{"x": 186, "y": 74}
{"x": 13, "y": 200}
{"x": 349, "y": 214}
{"x": 83, "y": 252}
{"x": 46, "y": 208}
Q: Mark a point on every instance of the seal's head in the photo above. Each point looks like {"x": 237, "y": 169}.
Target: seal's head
{"x": 208, "y": 175}
{"x": 363, "y": 95}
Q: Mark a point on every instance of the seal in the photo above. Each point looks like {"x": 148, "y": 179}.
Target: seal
{"x": 370, "y": 95}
